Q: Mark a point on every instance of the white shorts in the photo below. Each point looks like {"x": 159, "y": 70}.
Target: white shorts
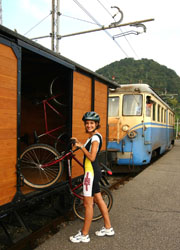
{"x": 88, "y": 184}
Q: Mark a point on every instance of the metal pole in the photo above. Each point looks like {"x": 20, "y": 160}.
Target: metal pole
{"x": 0, "y": 12}
{"x": 107, "y": 27}
{"x": 52, "y": 25}
{"x": 57, "y": 25}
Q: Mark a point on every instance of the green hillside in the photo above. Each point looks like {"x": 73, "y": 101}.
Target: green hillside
{"x": 163, "y": 80}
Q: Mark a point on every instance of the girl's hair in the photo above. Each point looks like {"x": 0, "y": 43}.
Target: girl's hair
{"x": 98, "y": 126}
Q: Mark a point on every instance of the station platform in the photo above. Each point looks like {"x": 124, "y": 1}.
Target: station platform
{"x": 145, "y": 213}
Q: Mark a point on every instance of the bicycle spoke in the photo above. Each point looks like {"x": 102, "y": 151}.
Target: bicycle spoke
{"x": 33, "y": 168}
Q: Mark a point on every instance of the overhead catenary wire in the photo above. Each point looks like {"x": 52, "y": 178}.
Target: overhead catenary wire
{"x": 38, "y": 23}
{"x": 87, "y": 12}
{"x": 79, "y": 19}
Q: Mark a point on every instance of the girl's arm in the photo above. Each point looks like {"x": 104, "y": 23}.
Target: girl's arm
{"x": 94, "y": 148}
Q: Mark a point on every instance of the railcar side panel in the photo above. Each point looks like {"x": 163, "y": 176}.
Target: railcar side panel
{"x": 101, "y": 93}
{"x": 82, "y": 92}
{"x": 83, "y": 101}
{"x": 8, "y": 123}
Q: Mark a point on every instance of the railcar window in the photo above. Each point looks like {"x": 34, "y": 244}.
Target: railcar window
{"x": 154, "y": 111}
{"x": 113, "y": 106}
{"x": 162, "y": 114}
{"x": 158, "y": 113}
{"x": 148, "y": 106}
{"x": 170, "y": 118}
{"x": 165, "y": 116}
{"x": 132, "y": 105}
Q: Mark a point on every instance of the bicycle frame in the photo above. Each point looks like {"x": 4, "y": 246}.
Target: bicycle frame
{"x": 47, "y": 131}
{"x": 69, "y": 156}
{"x": 70, "y": 179}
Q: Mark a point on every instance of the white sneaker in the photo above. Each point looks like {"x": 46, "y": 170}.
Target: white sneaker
{"x": 79, "y": 237}
{"x": 104, "y": 231}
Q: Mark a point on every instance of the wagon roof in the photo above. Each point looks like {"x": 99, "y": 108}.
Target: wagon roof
{"x": 23, "y": 41}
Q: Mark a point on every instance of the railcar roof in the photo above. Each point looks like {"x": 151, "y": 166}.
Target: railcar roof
{"x": 138, "y": 88}
{"x": 23, "y": 41}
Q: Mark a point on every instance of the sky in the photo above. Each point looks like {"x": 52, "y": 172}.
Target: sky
{"x": 160, "y": 42}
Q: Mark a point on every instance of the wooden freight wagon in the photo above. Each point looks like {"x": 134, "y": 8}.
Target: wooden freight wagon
{"x": 27, "y": 71}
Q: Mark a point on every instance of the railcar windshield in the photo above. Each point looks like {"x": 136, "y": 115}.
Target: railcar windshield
{"x": 113, "y": 106}
{"x": 132, "y": 105}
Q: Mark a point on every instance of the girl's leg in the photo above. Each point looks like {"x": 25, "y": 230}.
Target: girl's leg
{"x": 88, "y": 204}
{"x": 103, "y": 208}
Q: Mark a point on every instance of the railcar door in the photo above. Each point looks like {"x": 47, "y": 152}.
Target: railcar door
{"x": 114, "y": 118}
{"x": 9, "y": 54}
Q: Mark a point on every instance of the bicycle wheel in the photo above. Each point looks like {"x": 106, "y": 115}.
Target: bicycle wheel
{"x": 62, "y": 142}
{"x": 56, "y": 92}
{"x": 32, "y": 160}
{"x": 78, "y": 206}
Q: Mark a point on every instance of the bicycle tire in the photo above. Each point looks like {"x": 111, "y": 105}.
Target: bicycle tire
{"x": 78, "y": 206}
{"x": 31, "y": 160}
{"x": 54, "y": 92}
{"x": 62, "y": 142}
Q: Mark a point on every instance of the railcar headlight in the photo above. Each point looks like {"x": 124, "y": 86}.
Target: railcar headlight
{"x": 132, "y": 134}
{"x": 125, "y": 128}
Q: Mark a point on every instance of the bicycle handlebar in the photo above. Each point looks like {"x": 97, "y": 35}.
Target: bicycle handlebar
{"x": 73, "y": 142}
{"x": 75, "y": 150}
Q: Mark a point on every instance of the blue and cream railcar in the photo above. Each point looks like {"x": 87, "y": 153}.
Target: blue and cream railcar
{"x": 141, "y": 124}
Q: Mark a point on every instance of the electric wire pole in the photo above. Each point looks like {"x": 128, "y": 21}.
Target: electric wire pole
{"x": 55, "y": 18}
{"x": 52, "y": 24}
{"x": 0, "y": 12}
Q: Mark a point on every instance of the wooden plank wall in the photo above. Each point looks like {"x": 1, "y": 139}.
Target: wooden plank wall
{"x": 8, "y": 123}
{"x": 101, "y": 93}
{"x": 82, "y": 97}
{"x": 82, "y": 89}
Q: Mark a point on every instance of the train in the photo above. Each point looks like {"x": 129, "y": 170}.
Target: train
{"x": 141, "y": 125}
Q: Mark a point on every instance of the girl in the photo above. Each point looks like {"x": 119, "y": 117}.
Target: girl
{"x": 92, "y": 175}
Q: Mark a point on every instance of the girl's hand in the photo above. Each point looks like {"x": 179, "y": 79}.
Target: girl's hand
{"x": 73, "y": 141}
{"x": 76, "y": 142}
{"x": 79, "y": 144}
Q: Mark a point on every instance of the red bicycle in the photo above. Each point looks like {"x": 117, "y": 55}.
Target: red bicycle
{"x": 56, "y": 99}
{"x": 42, "y": 166}
{"x": 62, "y": 138}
